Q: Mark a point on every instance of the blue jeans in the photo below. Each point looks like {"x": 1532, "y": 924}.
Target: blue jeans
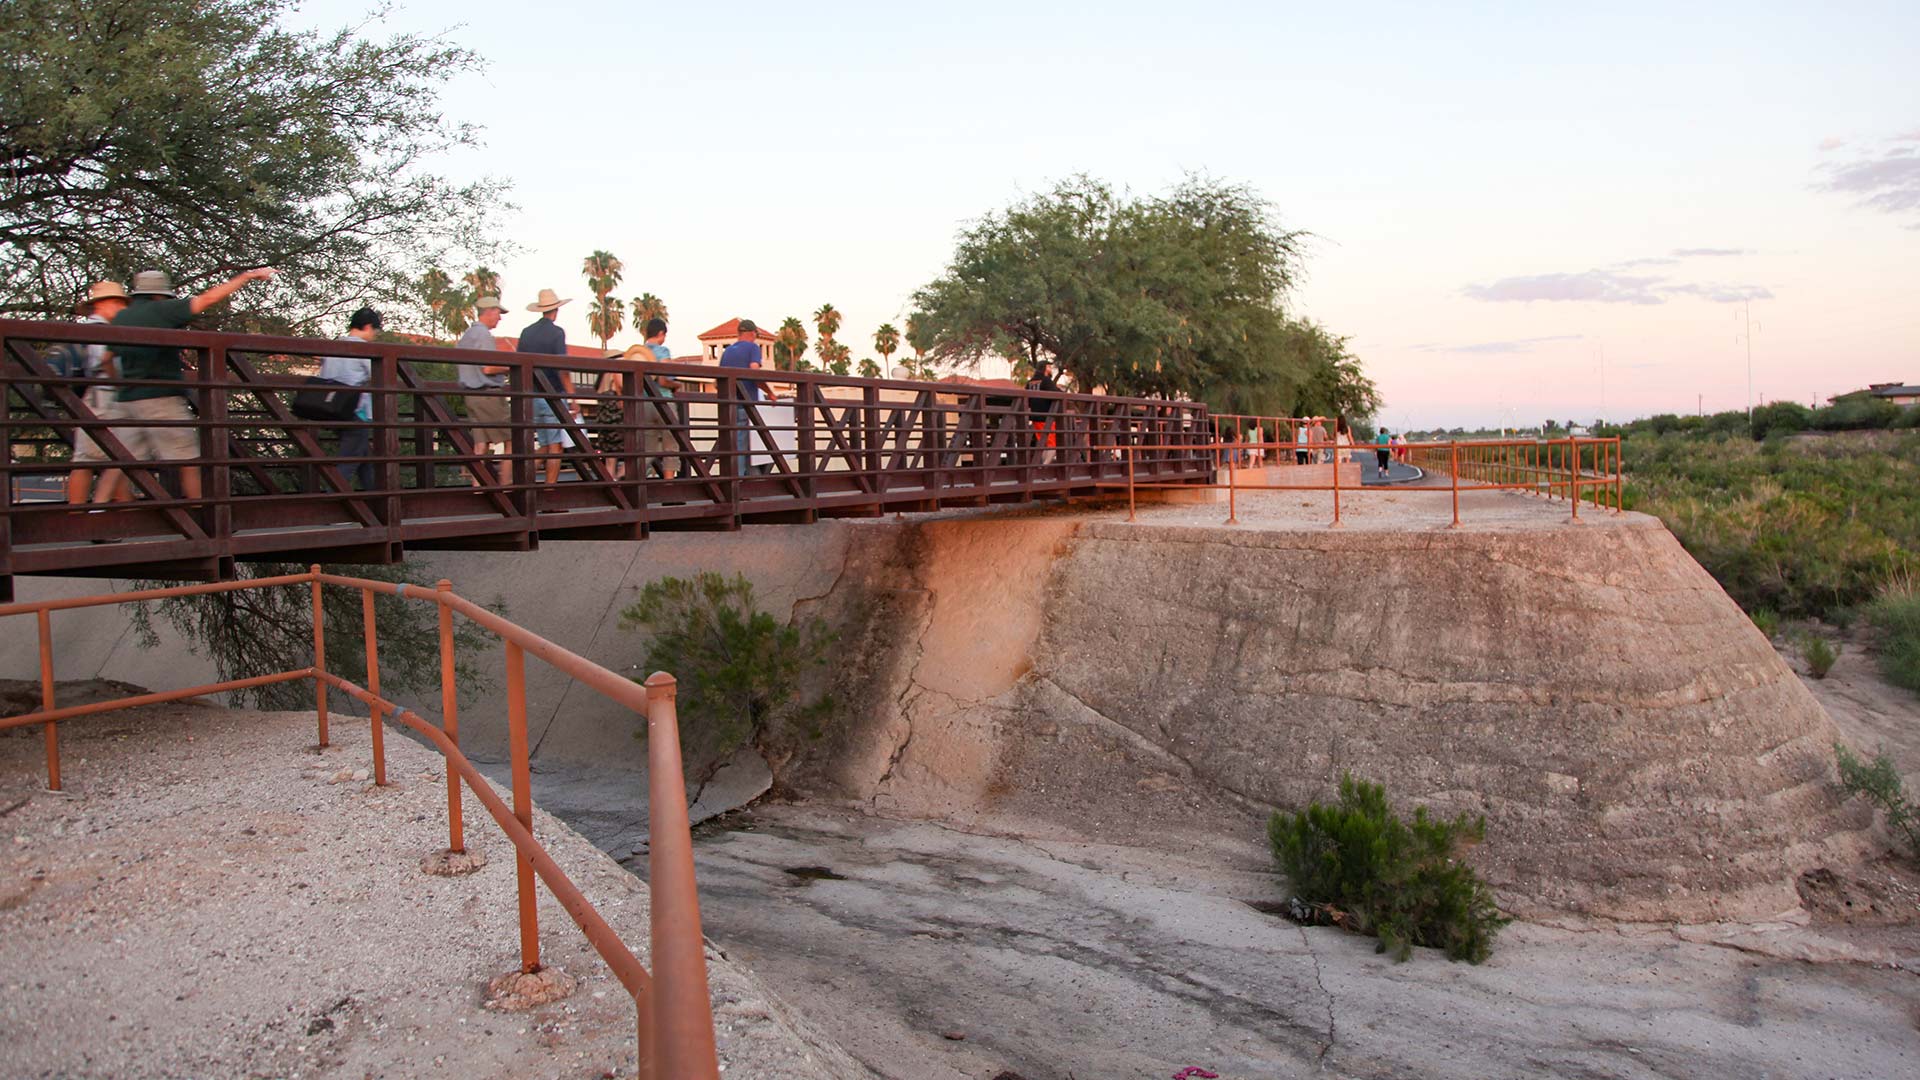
{"x": 356, "y": 441}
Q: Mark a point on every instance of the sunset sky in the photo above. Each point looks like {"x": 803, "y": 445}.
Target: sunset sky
{"x": 1516, "y": 215}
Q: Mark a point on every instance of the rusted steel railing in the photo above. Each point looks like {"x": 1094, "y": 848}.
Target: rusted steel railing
{"x": 674, "y": 1020}
{"x": 1579, "y": 469}
{"x": 635, "y": 447}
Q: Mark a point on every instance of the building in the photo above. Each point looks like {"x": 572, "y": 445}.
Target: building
{"x": 1896, "y": 393}
{"x": 714, "y": 341}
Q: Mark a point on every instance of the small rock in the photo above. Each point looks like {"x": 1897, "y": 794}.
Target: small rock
{"x": 360, "y": 774}
{"x": 953, "y": 1036}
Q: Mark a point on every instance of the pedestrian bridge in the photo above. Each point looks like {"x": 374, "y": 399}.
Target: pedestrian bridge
{"x": 691, "y": 447}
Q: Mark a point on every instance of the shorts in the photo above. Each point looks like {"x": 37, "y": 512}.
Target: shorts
{"x": 101, "y": 400}
{"x": 490, "y": 418}
{"x": 158, "y": 443}
{"x": 549, "y": 432}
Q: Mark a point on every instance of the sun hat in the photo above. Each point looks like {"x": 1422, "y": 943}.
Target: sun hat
{"x": 105, "y": 290}
{"x": 548, "y": 301}
{"x": 486, "y": 302}
{"x": 152, "y": 283}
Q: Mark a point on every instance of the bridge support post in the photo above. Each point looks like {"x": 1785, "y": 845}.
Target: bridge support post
{"x": 373, "y": 687}
{"x": 319, "y": 654}
{"x": 522, "y": 803}
{"x": 450, "y": 714}
{"x": 50, "y": 730}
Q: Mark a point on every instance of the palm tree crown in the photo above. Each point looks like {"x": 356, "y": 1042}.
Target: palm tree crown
{"x": 886, "y": 341}
{"x": 605, "y": 315}
{"x": 646, "y": 307}
{"x": 790, "y": 344}
{"x": 827, "y": 319}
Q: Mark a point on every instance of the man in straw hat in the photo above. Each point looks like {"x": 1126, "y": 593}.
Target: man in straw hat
{"x": 104, "y": 300}
{"x": 155, "y": 306}
{"x": 554, "y": 383}
{"x": 486, "y": 406}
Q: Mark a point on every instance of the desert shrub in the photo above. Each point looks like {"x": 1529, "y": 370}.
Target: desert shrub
{"x": 1896, "y": 614}
{"x": 1909, "y": 417}
{"x": 1403, "y": 882}
{"x": 1767, "y": 620}
{"x": 1819, "y": 654}
{"x": 741, "y": 672}
{"x": 1880, "y": 782}
{"x": 1855, "y": 412}
{"x": 1781, "y": 418}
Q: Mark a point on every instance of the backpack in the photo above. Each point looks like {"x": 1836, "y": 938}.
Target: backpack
{"x": 326, "y": 400}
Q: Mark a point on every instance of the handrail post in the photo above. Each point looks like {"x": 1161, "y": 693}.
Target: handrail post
{"x": 1336, "y": 494}
{"x": 372, "y": 635}
{"x": 1573, "y": 477}
{"x": 1130, "y": 515}
{"x": 1233, "y": 491}
{"x": 522, "y": 803}
{"x": 319, "y": 654}
{"x": 1453, "y": 472}
{"x": 50, "y": 729}
{"x": 682, "y": 1019}
{"x": 450, "y": 712}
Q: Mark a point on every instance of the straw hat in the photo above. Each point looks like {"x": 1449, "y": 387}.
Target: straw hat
{"x": 103, "y": 290}
{"x": 152, "y": 283}
{"x": 548, "y": 301}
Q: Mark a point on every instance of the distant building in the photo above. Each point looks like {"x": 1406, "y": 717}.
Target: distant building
{"x": 1897, "y": 393}
{"x": 715, "y": 341}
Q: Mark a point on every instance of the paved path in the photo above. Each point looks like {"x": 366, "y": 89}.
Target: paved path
{"x": 1397, "y": 472}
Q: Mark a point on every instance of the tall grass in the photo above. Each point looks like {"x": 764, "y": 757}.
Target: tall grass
{"x": 1808, "y": 526}
{"x": 1896, "y": 614}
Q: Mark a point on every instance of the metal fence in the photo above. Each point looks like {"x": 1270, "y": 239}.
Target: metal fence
{"x": 674, "y": 1021}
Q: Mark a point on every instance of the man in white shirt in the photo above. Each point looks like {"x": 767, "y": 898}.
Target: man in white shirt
{"x": 356, "y": 440}
{"x": 487, "y": 411}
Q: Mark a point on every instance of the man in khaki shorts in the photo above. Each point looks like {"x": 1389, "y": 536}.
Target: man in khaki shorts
{"x": 488, "y": 412}
{"x": 155, "y": 307}
{"x": 104, "y": 300}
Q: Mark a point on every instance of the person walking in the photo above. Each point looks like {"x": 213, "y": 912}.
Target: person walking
{"x": 486, "y": 407}
{"x": 1383, "y": 451}
{"x": 1302, "y": 435}
{"x": 104, "y": 300}
{"x": 154, "y": 306}
{"x": 356, "y": 439}
{"x": 744, "y": 353}
{"x": 553, "y": 385}
{"x": 1256, "y": 448}
{"x": 660, "y": 417}
{"x": 1325, "y": 453}
{"x": 1342, "y": 438}
{"x": 1040, "y": 410}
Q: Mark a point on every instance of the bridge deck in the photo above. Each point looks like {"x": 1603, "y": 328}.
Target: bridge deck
{"x": 662, "y": 446}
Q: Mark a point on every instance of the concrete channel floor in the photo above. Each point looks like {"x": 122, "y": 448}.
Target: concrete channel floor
{"x": 932, "y": 954}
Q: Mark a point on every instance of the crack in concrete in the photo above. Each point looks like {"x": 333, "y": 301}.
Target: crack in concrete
{"x": 613, "y": 600}
{"x": 1319, "y": 978}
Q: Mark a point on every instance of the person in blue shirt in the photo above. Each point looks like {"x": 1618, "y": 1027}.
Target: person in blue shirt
{"x": 356, "y": 440}
{"x": 745, "y": 353}
{"x": 555, "y": 384}
{"x": 1383, "y": 450}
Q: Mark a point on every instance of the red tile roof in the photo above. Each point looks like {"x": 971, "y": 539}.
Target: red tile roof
{"x": 730, "y": 331}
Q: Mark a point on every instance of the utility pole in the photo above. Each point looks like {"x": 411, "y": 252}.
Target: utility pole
{"x": 1745, "y": 317}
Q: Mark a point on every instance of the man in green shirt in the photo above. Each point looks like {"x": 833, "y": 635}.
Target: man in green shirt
{"x": 155, "y": 306}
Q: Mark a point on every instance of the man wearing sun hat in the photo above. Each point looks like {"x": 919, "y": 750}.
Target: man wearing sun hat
{"x": 155, "y": 306}
{"x": 554, "y": 383}
{"x": 104, "y": 300}
{"x": 488, "y": 412}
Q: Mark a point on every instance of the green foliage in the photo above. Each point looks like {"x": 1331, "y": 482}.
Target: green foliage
{"x": 1403, "y": 882}
{"x": 263, "y": 631}
{"x": 1808, "y": 527}
{"x": 1896, "y": 614}
{"x": 1819, "y": 654}
{"x": 740, "y": 671}
{"x": 1178, "y": 294}
{"x": 1767, "y": 620}
{"x": 1780, "y": 418}
{"x": 1879, "y": 780}
{"x": 203, "y": 136}
{"x": 790, "y": 346}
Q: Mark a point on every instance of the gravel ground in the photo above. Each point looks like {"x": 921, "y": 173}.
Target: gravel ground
{"x": 209, "y": 898}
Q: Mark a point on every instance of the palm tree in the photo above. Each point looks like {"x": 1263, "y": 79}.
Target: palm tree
{"x": 828, "y": 320}
{"x": 869, "y": 369}
{"x": 886, "y": 341}
{"x": 647, "y": 307}
{"x": 483, "y": 282}
{"x": 604, "y": 316}
{"x": 917, "y": 336}
{"x": 790, "y": 344}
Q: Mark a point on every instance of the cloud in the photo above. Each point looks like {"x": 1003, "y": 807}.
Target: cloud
{"x": 1517, "y": 345}
{"x": 1607, "y": 287}
{"x": 1832, "y": 142}
{"x": 1889, "y": 183}
{"x": 1699, "y": 253}
{"x": 1656, "y": 260}
{"x": 1600, "y": 286}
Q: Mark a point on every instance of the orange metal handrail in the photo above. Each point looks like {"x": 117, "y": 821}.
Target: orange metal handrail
{"x": 673, "y": 1022}
{"x": 1490, "y": 465}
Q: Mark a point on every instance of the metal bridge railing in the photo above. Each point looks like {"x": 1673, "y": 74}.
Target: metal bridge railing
{"x": 674, "y": 1020}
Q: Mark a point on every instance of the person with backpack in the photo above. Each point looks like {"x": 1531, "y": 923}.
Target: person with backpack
{"x": 356, "y": 439}
{"x": 104, "y": 300}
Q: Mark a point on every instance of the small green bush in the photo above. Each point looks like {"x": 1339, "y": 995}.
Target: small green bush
{"x": 1403, "y": 882}
{"x": 1767, "y": 620}
{"x": 1880, "y": 782}
{"x": 1819, "y": 654}
{"x": 740, "y": 671}
{"x": 1896, "y": 614}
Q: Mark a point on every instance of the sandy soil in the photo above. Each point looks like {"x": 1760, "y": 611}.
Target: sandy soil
{"x": 211, "y": 898}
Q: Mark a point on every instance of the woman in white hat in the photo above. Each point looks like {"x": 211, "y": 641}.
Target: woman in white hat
{"x": 104, "y": 300}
